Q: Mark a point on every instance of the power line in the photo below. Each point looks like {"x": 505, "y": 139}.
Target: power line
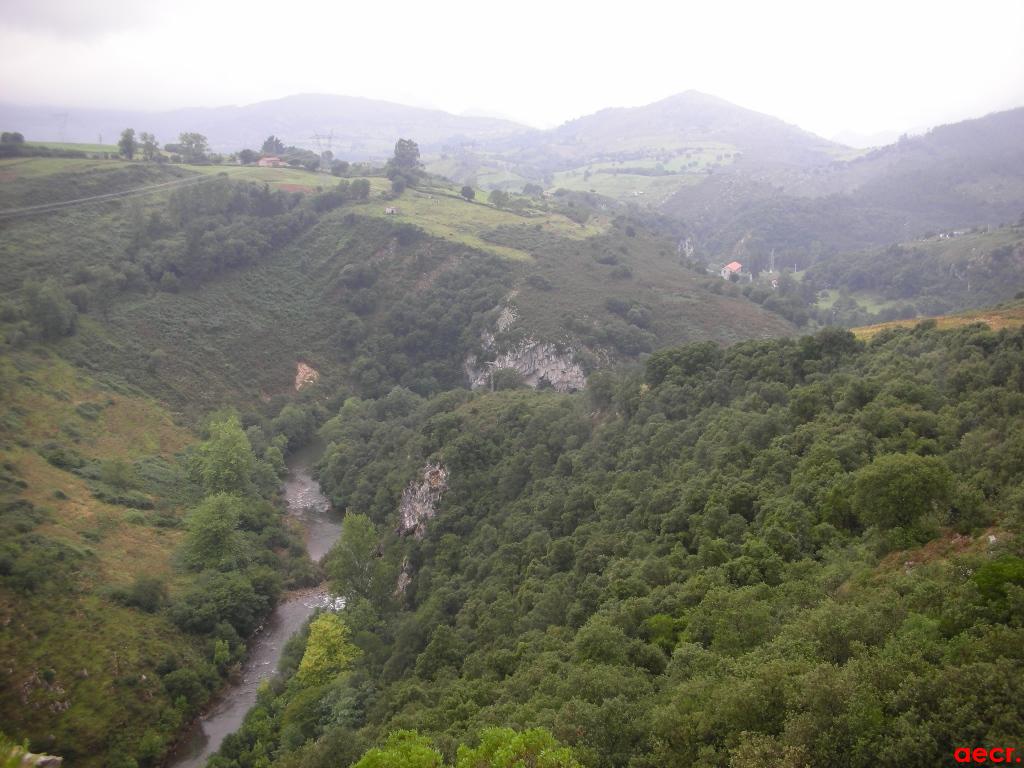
{"x": 32, "y": 210}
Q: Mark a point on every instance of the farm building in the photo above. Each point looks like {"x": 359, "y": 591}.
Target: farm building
{"x": 270, "y": 162}
{"x": 730, "y": 269}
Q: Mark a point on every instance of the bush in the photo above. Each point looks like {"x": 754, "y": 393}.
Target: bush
{"x": 898, "y": 490}
{"x": 147, "y": 593}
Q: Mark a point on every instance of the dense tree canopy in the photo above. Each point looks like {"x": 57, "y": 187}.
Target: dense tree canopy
{"x": 773, "y": 554}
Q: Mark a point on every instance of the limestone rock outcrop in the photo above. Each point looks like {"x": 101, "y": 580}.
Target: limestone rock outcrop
{"x": 536, "y": 362}
{"x": 419, "y": 500}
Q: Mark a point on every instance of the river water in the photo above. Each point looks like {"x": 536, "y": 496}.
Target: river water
{"x": 322, "y": 527}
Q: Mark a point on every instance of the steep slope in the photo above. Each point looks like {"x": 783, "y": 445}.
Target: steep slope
{"x": 91, "y": 493}
{"x": 217, "y": 292}
{"x": 797, "y": 548}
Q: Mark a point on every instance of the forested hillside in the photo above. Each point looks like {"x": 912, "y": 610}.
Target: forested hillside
{"x": 801, "y": 550}
{"x": 654, "y": 431}
{"x": 946, "y": 272}
{"x": 134, "y": 561}
{"x": 213, "y": 293}
{"x": 145, "y": 540}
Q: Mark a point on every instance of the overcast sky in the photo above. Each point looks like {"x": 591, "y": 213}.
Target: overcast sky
{"x": 863, "y": 67}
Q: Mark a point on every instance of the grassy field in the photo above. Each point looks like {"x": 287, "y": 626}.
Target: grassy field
{"x": 22, "y": 168}
{"x": 683, "y": 166}
{"x": 442, "y": 213}
{"x": 73, "y": 658}
{"x": 1003, "y": 316}
{"x": 646, "y": 190}
{"x": 872, "y": 302}
{"x": 291, "y": 179}
{"x": 98, "y": 148}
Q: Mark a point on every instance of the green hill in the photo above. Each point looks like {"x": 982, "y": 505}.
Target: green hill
{"x": 945, "y": 272}
{"x": 1009, "y": 316}
{"x": 94, "y": 489}
{"x": 215, "y": 292}
{"x": 955, "y": 177}
{"x": 665, "y": 568}
{"x": 641, "y": 154}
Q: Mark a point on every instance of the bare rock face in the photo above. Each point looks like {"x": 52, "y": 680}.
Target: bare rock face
{"x": 419, "y": 500}
{"x": 31, "y": 760}
{"x": 404, "y": 578}
{"x": 304, "y": 375}
{"x": 535, "y": 361}
{"x": 508, "y": 315}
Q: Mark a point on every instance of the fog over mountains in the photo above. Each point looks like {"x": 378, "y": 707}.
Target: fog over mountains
{"x": 741, "y": 179}
{"x": 363, "y": 128}
{"x": 367, "y": 128}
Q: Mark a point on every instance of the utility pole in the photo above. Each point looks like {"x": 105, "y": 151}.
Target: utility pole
{"x": 323, "y": 146}
{"x": 62, "y": 124}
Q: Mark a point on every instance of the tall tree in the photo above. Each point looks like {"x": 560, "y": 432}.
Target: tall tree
{"x": 193, "y": 147}
{"x": 213, "y": 539}
{"x": 225, "y": 461}
{"x": 899, "y": 489}
{"x": 407, "y": 156}
{"x": 403, "y": 749}
{"x": 49, "y": 308}
{"x": 355, "y": 568}
{"x": 328, "y": 650}
{"x": 506, "y": 748}
{"x": 128, "y": 145}
{"x": 150, "y": 149}
{"x": 272, "y": 146}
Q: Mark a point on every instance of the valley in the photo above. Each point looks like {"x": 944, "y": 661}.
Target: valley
{"x": 674, "y": 435}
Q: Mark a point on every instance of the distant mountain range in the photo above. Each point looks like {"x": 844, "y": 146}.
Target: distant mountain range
{"x": 362, "y": 128}
{"x": 744, "y": 182}
{"x": 367, "y": 129}
{"x": 666, "y": 126}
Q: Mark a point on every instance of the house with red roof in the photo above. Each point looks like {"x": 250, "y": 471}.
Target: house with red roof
{"x": 730, "y": 269}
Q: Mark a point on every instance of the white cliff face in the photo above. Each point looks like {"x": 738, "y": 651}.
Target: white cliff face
{"x": 535, "y": 361}
{"x": 419, "y": 500}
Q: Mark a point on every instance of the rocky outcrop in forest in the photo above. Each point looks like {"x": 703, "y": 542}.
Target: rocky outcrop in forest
{"x": 419, "y": 500}
{"x": 537, "y": 362}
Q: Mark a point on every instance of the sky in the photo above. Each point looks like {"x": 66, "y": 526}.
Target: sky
{"x": 833, "y": 68}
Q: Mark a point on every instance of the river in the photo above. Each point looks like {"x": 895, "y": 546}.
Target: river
{"x": 322, "y": 527}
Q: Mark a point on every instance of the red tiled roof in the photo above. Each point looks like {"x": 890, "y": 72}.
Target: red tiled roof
{"x": 734, "y": 266}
